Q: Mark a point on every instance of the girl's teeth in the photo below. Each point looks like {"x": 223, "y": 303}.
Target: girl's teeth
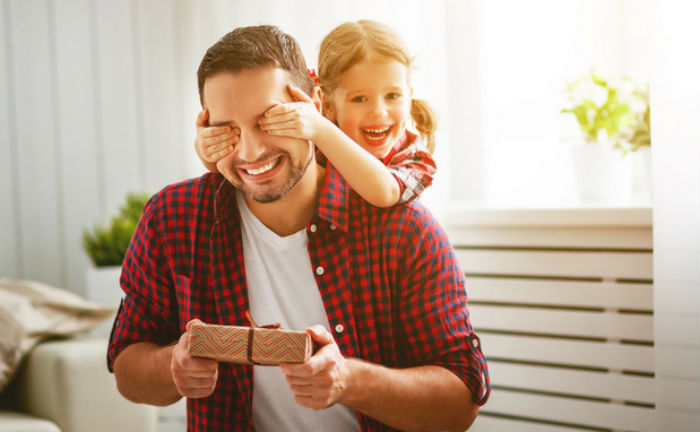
{"x": 263, "y": 169}
{"x": 376, "y": 134}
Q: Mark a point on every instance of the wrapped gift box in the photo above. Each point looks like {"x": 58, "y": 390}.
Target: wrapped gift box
{"x": 249, "y": 345}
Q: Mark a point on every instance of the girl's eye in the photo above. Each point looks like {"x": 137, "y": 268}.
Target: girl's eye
{"x": 392, "y": 96}
{"x": 358, "y": 99}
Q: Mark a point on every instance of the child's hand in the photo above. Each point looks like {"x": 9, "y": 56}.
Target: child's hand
{"x": 299, "y": 119}
{"x": 213, "y": 143}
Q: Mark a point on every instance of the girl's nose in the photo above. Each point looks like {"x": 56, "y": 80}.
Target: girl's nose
{"x": 378, "y": 108}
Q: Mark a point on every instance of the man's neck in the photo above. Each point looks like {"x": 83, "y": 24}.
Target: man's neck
{"x": 292, "y": 213}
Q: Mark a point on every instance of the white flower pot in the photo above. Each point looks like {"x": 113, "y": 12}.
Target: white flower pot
{"x": 103, "y": 287}
{"x": 603, "y": 175}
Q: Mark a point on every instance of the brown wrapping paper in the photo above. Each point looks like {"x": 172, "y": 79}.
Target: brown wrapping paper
{"x": 249, "y": 345}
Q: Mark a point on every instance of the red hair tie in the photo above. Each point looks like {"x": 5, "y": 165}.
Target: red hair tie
{"x": 314, "y": 77}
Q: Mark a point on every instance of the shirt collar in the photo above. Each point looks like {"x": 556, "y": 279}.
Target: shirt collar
{"x": 333, "y": 201}
{"x": 224, "y": 199}
{"x": 399, "y": 145}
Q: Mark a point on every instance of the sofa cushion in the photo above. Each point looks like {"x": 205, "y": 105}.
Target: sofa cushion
{"x": 11, "y": 421}
{"x": 32, "y": 311}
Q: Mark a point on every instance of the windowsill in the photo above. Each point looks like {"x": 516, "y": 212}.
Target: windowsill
{"x": 599, "y": 216}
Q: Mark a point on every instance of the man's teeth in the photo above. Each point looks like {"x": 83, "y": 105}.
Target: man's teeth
{"x": 263, "y": 169}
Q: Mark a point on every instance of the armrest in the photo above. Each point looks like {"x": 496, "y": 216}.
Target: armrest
{"x": 67, "y": 382}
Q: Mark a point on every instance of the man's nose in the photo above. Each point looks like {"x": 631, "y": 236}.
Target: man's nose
{"x": 250, "y": 145}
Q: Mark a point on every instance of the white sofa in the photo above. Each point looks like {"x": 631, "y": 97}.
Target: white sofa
{"x": 65, "y": 386}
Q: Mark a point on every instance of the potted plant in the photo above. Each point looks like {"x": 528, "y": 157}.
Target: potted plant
{"x": 106, "y": 247}
{"x": 613, "y": 118}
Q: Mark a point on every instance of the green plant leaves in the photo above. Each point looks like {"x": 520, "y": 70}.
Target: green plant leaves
{"x": 107, "y": 245}
{"x": 603, "y": 105}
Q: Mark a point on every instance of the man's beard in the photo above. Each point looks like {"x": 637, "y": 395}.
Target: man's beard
{"x": 271, "y": 195}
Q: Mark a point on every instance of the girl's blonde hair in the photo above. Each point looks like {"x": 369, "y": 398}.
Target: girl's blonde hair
{"x": 352, "y": 42}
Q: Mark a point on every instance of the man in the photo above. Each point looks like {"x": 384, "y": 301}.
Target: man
{"x": 379, "y": 290}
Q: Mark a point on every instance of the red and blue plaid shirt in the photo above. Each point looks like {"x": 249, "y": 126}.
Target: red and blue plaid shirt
{"x": 390, "y": 282}
{"x": 412, "y": 165}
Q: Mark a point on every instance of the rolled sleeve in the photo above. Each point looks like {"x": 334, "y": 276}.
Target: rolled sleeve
{"x": 146, "y": 313}
{"x": 433, "y": 309}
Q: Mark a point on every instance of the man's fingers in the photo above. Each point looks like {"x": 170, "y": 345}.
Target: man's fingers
{"x": 320, "y": 335}
{"x": 192, "y": 322}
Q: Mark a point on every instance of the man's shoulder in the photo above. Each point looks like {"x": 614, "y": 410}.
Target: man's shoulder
{"x": 412, "y": 213}
{"x": 190, "y": 193}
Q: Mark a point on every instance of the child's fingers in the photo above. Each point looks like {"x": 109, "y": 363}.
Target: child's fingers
{"x": 215, "y": 143}
{"x": 215, "y": 131}
{"x": 280, "y": 109}
{"x": 212, "y": 154}
{"x": 221, "y": 152}
{"x": 298, "y": 94}
{"x": 202, "y": 118}
{"x": 293, "y": 132}
{"x": 285, "y": 117}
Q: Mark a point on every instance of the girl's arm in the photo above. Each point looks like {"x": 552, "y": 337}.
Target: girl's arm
{"x": 413, "y": 166}
{"x": 367, "y": 175}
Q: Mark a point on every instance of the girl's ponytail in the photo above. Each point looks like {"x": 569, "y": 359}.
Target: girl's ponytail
{"x": 425, "y": 118}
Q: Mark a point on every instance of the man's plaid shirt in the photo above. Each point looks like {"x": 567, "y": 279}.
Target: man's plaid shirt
{"x": 391, "y": 285}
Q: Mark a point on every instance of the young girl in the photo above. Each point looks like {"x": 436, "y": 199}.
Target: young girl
{"x": 367, "y": 100}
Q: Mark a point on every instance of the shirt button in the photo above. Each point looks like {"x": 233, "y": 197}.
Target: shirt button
{"x": 332, "y": 227}
{"x": 475, "y": 342}
{"x": 319, "y": 270}
{"x": 339, "y": 328}
{"x": 312, "y": 228}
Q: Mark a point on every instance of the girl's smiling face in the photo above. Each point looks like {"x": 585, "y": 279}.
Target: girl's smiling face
{"x": 372, "y": 104}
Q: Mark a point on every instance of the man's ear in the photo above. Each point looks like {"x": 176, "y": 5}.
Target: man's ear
{"x": 317, "y": 97}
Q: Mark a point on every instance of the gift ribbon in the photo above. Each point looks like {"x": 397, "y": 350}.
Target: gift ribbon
{"x": 251, "y": 334}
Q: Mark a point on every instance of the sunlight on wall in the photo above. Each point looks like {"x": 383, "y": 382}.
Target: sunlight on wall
{"x": 495, "y": 71}
{"x": 526, "y": 53}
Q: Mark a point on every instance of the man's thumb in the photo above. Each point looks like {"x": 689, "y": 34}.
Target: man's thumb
{"x": 320, "y": 335}
{"x": 193, "y": 321}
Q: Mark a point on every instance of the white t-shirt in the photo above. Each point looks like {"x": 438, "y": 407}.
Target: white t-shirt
{"x": 282, "y": 289}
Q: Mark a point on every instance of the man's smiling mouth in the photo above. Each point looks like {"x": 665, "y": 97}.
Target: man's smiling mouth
{"x": 263, "y": 169}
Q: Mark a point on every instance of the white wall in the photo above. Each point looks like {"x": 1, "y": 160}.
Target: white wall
{"x": 675, "y": 126}
{"x": 98, "y": 98}
{"x": 89, "y": 110}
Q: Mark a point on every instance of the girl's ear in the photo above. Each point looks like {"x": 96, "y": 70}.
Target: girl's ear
{"x": 328, "y": 107}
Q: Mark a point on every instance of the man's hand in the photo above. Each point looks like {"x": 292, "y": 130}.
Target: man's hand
{"x": 299, "y": 119}
{"x": 322, "y": 380}
{"x": 193, "y": 377}
{"x": 213, "y": 143}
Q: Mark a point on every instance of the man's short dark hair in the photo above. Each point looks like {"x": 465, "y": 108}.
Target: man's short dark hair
{"x": 255, "y": 47}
